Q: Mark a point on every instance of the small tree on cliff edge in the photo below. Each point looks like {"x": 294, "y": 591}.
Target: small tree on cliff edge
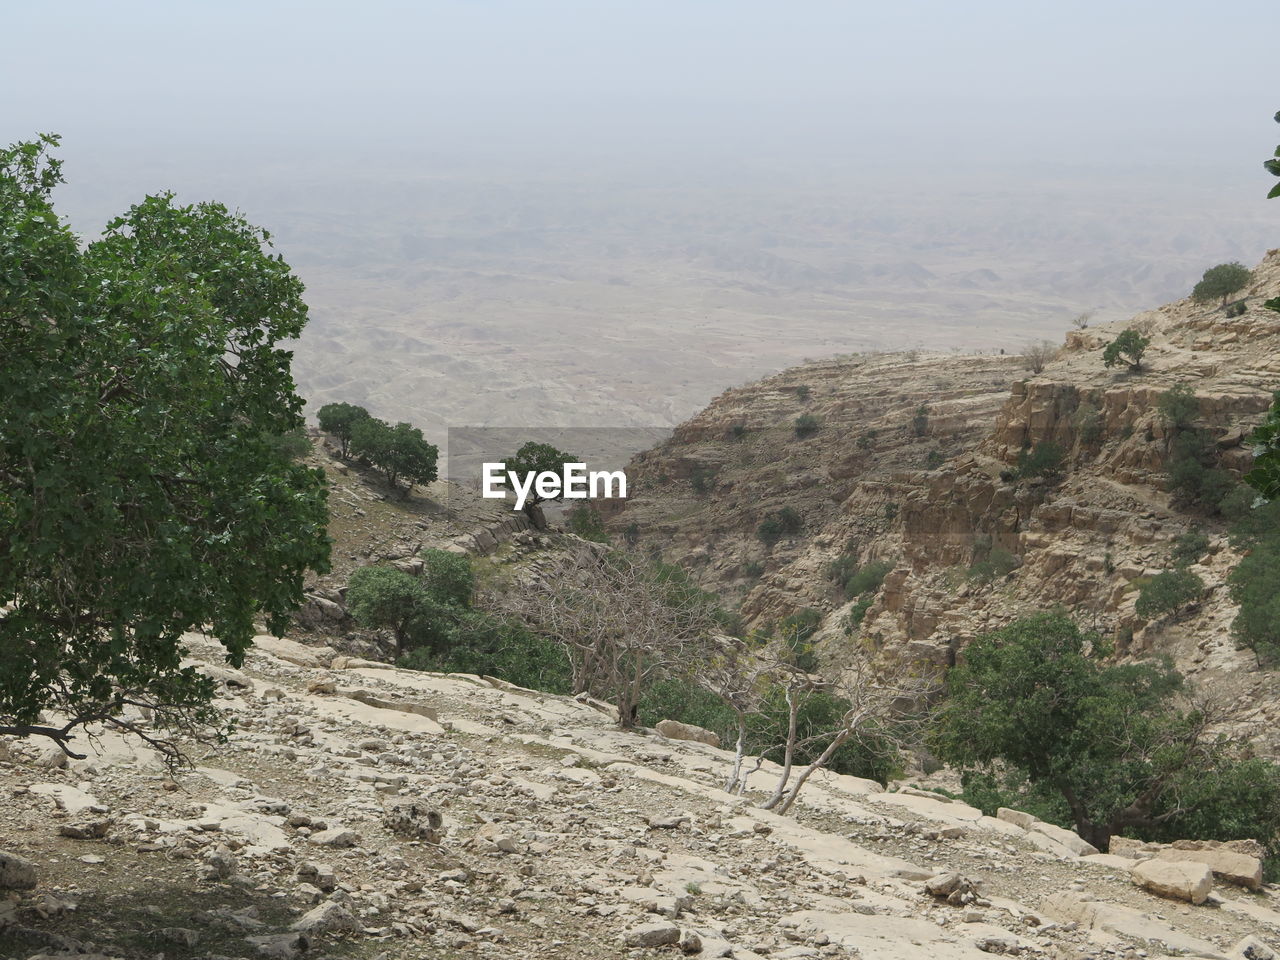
{"x": 538, "y": 458}
{"x": 143, "y": 492}
{"x": 1128, "y": 348}
{"x": 338, "y": 420}
{"x": 1222, "y": 281}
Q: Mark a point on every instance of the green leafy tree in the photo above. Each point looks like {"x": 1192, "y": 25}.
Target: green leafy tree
{"x": 1265, "y": 440}
{"x": 400, "y": 452}
{"x": 1044, "y": 460}
{"x": 1121, "y": 744}
{"x": 384, "y": 597}
{"x": 1255, "y": 582}
{"x": 1255, "y": 588}
{"x": 1129, "y": 347}
{"x": 143, "y": 492}
{"x": 1222, "y": 281}
{"x": 1167, "y": 592}
{"x": 420, "y": 611}
{"x": 1179, "y": 407}
{"x": 538, "y": 458}
{"x": 338, "y": 420}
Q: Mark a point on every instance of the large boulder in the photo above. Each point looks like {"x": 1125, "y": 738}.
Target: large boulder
{"x": 16, "y": 873}
{"x": 1176, "y": 879}
{"x": 675, "y": 730}
{"x": 1238, "y": 868}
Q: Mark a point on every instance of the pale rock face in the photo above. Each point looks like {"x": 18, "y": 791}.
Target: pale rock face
{"x": 16, "y": 873}
{"x": 675, "y": 730}
{"x": 1237, "y": 868}
{"x": 1177, "y": 879}
{"x": 656, "y": 934}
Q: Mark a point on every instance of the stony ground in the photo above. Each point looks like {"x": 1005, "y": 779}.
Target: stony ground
{"x": 366, "y": 812}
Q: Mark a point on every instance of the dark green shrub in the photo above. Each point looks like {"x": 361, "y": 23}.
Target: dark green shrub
{"x": 781, "y": 523}
{"x": 1179, "y": 407}
{"x": 857, "y": 613}
{"x": 1167, "y": 592}
{"x": 920, "y": 422}
{"x": 1089, "y": 425}
{"x": 867, "y": 440}
{"x": 934, "y": 459}
{"x": 1043, "y": 460}
{"x": 584, "y": 521}
{"x": 293, "y": 445}
{"x": 998, "y": 563}
{"x": 1236, "y": 309}
{"x": 1189, "y": 547}
{"x": 867, "y": 579}
{"x": 702, "y": 479}
{"x": 802, "y": 392}
{"x": 1128, "y": 348}
{"x": 806, "y": 425}
{"x": 753, "y": 569}
{"x": 738, "y": 431}
{"x": 488, "y": 645}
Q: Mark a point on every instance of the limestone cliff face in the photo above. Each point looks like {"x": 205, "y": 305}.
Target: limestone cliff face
{"x": 912, "y": 461}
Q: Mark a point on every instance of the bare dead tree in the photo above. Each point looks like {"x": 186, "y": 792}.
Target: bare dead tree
{"x": 879, "y": 703}
{"x": 740, "y": 677}
{"x": 1037, "y": 355}
{"x": 1081, "y": 320}
{"x": 623, "y": 623}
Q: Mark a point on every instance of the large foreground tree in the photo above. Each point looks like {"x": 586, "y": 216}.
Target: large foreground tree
{"x": 142, "y": 494}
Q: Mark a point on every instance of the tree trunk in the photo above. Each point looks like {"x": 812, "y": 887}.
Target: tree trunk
{"x": 810, "y": 770}
{"x": 793, "y": 710}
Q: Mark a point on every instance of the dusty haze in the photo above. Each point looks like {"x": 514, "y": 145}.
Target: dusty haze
{"x": 586, "y": 213}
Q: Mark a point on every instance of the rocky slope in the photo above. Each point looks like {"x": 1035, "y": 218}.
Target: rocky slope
{"x": 866, "y": 486}
{"x": 362, "y": 811}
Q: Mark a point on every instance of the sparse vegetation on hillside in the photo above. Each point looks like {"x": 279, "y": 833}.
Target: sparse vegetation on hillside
{"x": 1195, "y": 480}
{"x": 145, "y": 494}
{"x": 1128, "y": 348}
{"x": 920, "y": 422}
{"x": 1043, "y": 461}
{"x": 786, "y": 522}
{"x": 806, "y": 425}
{"x": 1038, "y": 355}
{"x": 584, "y": 520}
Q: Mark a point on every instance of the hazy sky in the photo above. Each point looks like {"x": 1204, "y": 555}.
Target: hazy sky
{"x": 927, "y": 83}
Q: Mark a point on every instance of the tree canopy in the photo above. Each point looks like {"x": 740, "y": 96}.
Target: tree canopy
{"x": 142, "y": 489}
{"x": 1222, "y": 281}
{"x": 339, "y": 420}
{"x": 1123, "y": 744}
{"x": 400, "y": 452}
{"x": 1265, "y": 440}
{"x": 1128, "y": 347}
